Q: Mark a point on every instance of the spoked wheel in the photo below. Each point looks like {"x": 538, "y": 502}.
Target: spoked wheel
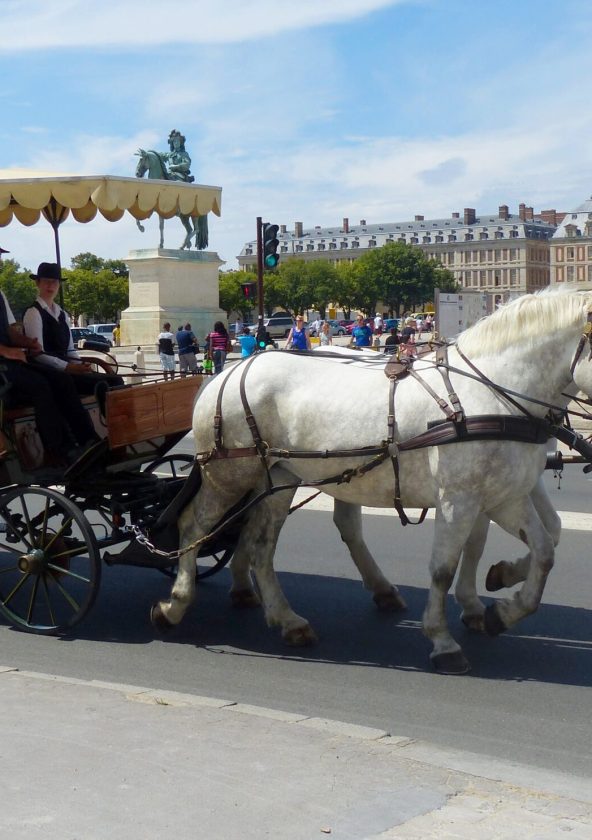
{"x": 172, "y": 467}
{"x": 50, "y": 566}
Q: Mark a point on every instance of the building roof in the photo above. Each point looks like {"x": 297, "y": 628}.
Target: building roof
{"x": 424, "y": 231}
{"x": 577, "y": 217}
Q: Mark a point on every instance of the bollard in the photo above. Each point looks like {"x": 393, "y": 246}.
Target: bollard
{"x": 139, "y": 365}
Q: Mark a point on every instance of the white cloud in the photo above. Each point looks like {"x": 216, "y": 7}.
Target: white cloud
{"x": 37, "y": 24}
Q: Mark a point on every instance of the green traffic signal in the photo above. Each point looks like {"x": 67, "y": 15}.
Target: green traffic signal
{"x": 270, "y": 245}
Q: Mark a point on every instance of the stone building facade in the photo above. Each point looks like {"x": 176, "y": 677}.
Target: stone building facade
{"x": 500, "y": 254}
{"x": 571, "y": 248}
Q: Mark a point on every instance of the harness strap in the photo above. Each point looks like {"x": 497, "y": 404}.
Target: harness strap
{"x": 442, "y": 366}
{"x": 397, "y": 503}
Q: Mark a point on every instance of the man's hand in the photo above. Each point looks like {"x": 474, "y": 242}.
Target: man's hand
{"x": 16, "y": 354}
{"x": 78, "y": 367}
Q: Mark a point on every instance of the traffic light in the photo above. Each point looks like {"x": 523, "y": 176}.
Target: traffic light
{"x": 270, "y": 245}
{"x": 249, "y": 290}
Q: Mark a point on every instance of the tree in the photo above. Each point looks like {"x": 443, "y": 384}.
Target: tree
{"x": 18, "y": 287}
{"x": 87, "y": 262}
{"x": 401, "y": 276}
{"x": 231, "y": 296}
{"x": 320, "y": 280}
{"x": 98, "y": 295}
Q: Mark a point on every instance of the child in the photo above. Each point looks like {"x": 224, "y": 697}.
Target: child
{"x": 208, "y": 364}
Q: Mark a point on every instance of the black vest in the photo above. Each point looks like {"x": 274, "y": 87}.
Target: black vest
{"x": 56, "y": 334}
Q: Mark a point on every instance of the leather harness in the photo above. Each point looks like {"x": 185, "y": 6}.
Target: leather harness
{"x": 455, "y": 427}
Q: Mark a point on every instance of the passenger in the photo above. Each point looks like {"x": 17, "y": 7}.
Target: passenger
{"x": 47, "y": 322}
{"x": 60, "y": 417}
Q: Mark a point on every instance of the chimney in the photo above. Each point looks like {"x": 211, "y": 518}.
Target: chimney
{"x": 469, "y": 216}
{"x": 419, "y": 218}
{"x": 456, "y": 215}
{"x": 345, "y": 225}
{"x": 549, "y": 216}
{"x": 363, "y": 222}
{"x": 529, "y": 214}
{"x": 298, "y": 230}
{"x": 522, "y": 211}
{"x": 504, "y": 212}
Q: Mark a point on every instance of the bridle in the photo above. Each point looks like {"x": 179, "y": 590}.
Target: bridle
{"x": 585, "y": 337}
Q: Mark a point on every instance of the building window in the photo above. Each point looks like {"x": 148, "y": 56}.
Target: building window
{"x": 355, "y": 244}
{"x": 499, "y": 234}
{"x": 300, "y": 248}
{"x": 284, "y": 249}
{"x": 372, "y": 243}
{"x": 483, "y": 236}
{"x": 343, "y": 245}
{"x": 321, "y": 247}
{"x": 468, "y": 237}
{"x": 569, "y": 253}
{"x": 414, "y": 240}
{"x": 570, "y": 273}
{"x": 452, "y": 238}
{"x": 310, "y": 247}
{"x": 426, "y": 240}
{"x": 332, "y": 246}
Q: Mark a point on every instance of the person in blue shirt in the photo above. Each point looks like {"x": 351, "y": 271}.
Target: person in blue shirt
{"x": 247, "y": 342}
{"x": 361, "y": 334}
{"x": 298, "y": 338}
{"x": 188, "y": 347}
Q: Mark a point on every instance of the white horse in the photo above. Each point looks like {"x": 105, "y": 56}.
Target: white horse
{"x": 528, "y": 347}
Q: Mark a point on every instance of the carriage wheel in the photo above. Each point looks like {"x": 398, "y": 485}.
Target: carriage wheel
{"x": 50, "y": 566}
{"x": 171, "y": 467}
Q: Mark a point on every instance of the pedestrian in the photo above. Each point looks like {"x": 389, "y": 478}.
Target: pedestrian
{"x": 408, "y": 338}
{"x": 116, "y": 335}
{"x": 188, "y": 347}
{"x": 247, "y": 342}
{"x": 298, "y": 337}
{"x": 378, "y": 324}
{"x": 392, "y": 338}
{"x": 218, "y": 345}
{"x": 325, "y": 337}
{"x": 166, "y": 351}
{"x": 361, "y": 334}
{"x": 208, "y": 364}
{"x": 238, "y": 327}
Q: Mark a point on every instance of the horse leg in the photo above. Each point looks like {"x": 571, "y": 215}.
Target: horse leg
{"x": 188, "y": 232}
{"x": 466, "y": 585}
{"x": 161, "y": 228}
{"x": 522, "y": 520}
{"x": 256, "y": 547}
{"x": 507, "y": 574}
{"x": 197, "y": 519}
{"x": 451, "y": 532}
{"x": 348, "y": 519}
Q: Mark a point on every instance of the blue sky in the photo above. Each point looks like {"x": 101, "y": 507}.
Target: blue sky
{"x": 301, "y": 111}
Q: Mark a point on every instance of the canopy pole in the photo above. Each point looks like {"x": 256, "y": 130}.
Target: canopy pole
{"x": 55, "y": 221}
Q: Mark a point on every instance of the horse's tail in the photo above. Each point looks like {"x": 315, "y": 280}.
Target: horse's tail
{"x": 140, "y": 226}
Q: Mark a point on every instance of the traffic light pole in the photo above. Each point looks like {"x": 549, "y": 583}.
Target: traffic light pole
{"x": 260, "y": 269}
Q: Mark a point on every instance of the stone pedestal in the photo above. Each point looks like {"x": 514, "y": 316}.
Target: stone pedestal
{"x": 170, "y": 285}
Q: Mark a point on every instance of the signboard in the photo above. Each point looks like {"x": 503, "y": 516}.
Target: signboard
{"x": 457, "y": 311}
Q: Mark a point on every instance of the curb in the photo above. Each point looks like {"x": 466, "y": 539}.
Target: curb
{"x": 538, "y": 780}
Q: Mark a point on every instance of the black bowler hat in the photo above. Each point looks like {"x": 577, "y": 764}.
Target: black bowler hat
{"x": 47, "y": 271}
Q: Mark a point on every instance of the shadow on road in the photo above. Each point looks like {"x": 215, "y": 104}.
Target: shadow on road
{"x": 552, "y": 646}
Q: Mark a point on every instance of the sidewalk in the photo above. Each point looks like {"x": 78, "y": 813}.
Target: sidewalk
{"x": 90, "y": 761}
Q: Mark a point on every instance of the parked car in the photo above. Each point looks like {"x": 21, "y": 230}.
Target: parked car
{"x": 278, "y": 325}
{"x": 84, "y": 337}
{"x": 390, "y": 324}
{"x": 336, "y": 327}
{"x": 106, "y": 330}
{"x": 345, "y": 322}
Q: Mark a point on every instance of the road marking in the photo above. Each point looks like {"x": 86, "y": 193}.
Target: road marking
{"x": 570, "y": 520}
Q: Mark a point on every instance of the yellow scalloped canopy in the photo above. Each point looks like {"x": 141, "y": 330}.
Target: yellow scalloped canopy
{"x": 26, "y": 198}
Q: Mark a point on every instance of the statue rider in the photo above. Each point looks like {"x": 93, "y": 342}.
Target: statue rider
{"x": 178, "y": 161}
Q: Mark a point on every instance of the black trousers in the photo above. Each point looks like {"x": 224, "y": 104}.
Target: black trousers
{"x": 55, "y": 402}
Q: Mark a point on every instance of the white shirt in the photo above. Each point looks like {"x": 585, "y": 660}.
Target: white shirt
{"x": 33, "y": 326}
{"x": 377, "y": 322}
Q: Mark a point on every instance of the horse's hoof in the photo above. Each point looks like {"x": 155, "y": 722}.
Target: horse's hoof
{"x": 159, "y": 620}
{"x": 494, "y": 625}
{"x": 389, "y": 601}
{"x": 494, "y": 580}
{"x": 475, "y": 623}
{"x": 451, "y": 663}
{"x": 244, "y": 598}
{"x": 300, "y": 636}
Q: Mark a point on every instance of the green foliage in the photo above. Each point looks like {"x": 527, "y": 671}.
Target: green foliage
{"x": 98, "y": 295}
{"x": 231, "y": 296}
{"x": 18, "y": 287}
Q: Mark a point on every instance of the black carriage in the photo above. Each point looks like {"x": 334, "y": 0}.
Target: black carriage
{"x": 56, "y": 533}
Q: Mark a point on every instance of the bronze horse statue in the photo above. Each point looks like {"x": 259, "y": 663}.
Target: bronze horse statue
{"x": 152, "y": 163}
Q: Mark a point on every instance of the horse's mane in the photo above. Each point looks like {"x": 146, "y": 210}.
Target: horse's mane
{"x": 524, "y": 320}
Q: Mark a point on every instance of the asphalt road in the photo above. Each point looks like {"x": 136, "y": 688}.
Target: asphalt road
{"x": 526, "y": 699}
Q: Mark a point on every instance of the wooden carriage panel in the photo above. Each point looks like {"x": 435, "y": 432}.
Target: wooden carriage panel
{"x": 147, "y": 411}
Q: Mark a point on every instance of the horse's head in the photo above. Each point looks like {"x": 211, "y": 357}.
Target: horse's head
{"x": 142, "y": 166}
{"x": 581, "y": 364}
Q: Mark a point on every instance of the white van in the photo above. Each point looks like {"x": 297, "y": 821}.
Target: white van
{"x": 106, "y": 330}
